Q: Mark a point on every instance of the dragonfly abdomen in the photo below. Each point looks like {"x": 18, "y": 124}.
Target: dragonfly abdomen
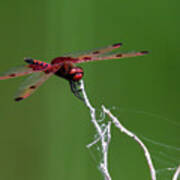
{"x": 36, "y": 64}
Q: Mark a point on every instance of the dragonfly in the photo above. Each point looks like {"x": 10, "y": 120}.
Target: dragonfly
{"x": 64, "y": 67}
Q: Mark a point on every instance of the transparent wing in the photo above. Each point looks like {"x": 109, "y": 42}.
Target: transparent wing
{"x": 16, "y": 71}
{"x": 94, "y": 52}
{"x": 31, "y": 84}
{"x": 95, "y": 55}
{"x": 109, "y": 57}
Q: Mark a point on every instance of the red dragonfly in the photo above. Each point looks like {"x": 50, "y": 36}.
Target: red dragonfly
{"x": 63, "y": 66}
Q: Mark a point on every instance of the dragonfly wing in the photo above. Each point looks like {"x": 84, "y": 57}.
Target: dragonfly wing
{"x": 99, "y": 51}
{"x": 112, "y": 56}
{"x": 78, "y": 57}
{"x": 94, "y": 52}
{"x": 31, "y": 84}
{"x": 16, "y": 71}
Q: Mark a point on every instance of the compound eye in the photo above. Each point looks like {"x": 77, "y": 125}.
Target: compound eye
{"x": 76, "y": 73}
{"x": 77, "y": 76}
{"x": 72, "y": 71}
{"x": 76, "y": 70}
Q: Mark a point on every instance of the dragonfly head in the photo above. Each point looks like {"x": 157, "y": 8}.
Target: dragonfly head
{"x": 76, "y": 73}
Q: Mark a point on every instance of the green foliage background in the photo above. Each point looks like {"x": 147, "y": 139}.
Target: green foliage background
{"x": 44, "y": 137}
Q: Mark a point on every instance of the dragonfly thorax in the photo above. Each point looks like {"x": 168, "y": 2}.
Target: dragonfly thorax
{"x": 70, "y": 72}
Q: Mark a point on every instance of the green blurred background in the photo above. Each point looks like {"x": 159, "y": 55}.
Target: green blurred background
{"x": 44, "y": 137}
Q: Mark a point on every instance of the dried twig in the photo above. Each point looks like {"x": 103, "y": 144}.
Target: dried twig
{"x": 129, "y": 133}
{"x": 105, "y": 136}
{"x": 176, "y": 174}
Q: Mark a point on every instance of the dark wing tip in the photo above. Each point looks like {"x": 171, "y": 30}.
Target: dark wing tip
{"x": 144, "y": 52}
{"x": 117, "y": 45}
{"x": 18, "y": 98}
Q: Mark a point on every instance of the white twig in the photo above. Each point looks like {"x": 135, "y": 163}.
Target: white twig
{"x": 105, "y": 145}
{"x": 129, "y": 133}
{"x": 176, "y": 174}
{"x": 104, "y": 137}
{"x": 97, "y": 139}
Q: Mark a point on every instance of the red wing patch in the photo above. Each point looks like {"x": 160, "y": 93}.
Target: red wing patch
{"x": 97, "y": 54}
{"x": 32, "y": 83}
{"x": 16, "y": 71}
{"x": 23, "y": 70}
{"x": 112, "y": 56}
{"x": 88, "y": 55}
